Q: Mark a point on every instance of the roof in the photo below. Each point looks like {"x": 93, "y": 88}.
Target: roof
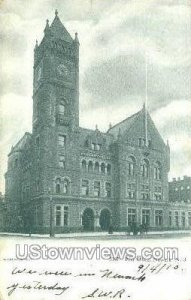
{"x": 86, "y": 133}
{"x": 21, "y": 143}
{"x": 59, "y": 31}
{"x": 123, "y": 125}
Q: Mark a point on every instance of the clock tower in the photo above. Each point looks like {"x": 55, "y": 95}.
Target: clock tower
{"x": 55, "y": 106}
{"x": 56, "y": 78}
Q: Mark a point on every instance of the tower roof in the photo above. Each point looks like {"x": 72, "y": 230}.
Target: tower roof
{"x": 58, "y": 30}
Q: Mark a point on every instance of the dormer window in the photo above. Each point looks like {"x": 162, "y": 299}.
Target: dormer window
{"x": 98, "y": 147}
{"x": 93, "y": 146}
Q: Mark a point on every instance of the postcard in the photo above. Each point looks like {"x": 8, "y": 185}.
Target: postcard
{"x": 95, "y": 149}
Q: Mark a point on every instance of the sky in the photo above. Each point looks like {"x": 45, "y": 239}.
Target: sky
{"x": 115, "y": 36}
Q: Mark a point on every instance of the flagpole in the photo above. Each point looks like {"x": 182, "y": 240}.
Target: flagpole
{"x": 146, "y": 98}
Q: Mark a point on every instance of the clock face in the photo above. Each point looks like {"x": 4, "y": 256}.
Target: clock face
{"x": 63, "y": 70}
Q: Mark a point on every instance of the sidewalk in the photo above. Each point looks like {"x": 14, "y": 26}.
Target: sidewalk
{"x": 103, "y": 234}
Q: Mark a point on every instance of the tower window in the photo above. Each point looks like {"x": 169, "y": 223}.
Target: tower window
{"x": 61, "y": 108}
{"x": 62, "y": 161}
{"x": 61, "y": 140}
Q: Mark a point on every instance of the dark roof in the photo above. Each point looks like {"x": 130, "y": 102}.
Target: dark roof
{"x": 123, "y": 125}
{"x": 59, "y": 31}
{"x": 21, "y": 144}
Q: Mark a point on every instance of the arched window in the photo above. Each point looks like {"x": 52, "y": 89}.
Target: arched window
{"x": 145, "y": 168}
{"x": 61, "y": 108}
{"x": 83, "y": 165}
{"x": 90, "y": 167}
{"x": 157, "y": 171}
{"x": 58, "y": 186}
{"x": 103, "y": 168}
{"x": 66, "y": 185}
{"x": 96, "y": 167}
{"x": 131, "y": 166}
{"x": 108, "y": 169}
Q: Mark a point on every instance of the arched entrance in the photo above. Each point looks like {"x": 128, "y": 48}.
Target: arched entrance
{"x": 88, "y": 219}
{"x": 105, "y": 219}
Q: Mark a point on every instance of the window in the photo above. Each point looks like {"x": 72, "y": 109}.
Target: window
{"x": 58, "y": 215}
{"x": 61, "y": 215}
{"x": 83, "y": 165}
{"x": 62, "y": 161}
{"x": 90, "y": 167}
{"x": 58, "y": 186}
{"x": 183, "y": 219}
{"x": 85, "y": 187}
{"x": 189, "y": 218}
{"x": 131, "y": 216}
{"x": 61, "y": 140}
{"x": 170, "y": 218}
{"x": 108, "y": 169}
{"x": 96, "y": 188}
{"x": 103, "y": 168}
{"x": 108, "y": 189}
{"x": 98, "y": 147}
{"x": 158, "y": 217}
{"x": 188, "y": 187}
{"x": 145, "y": 192}
{"x": 131, "y": 190}
{"x": 146, "y": 217}
{"x": 66, "y": 215}
{"x": 97, "y": 167}
{"x": 176, "y": 218}
{"x": 61, "y": 108}
{"x": 157, "y": 171}
{"x": 131, "y": 166}
{"x": 182, "y": 188}
{"x": 66, "y": 186}
{"x": 158, "y": 193}
{"x": 145, "y": 169}
{"x": 93, "y": 146}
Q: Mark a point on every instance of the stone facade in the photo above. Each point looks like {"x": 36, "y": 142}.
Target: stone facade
{"x": 70, "y": 178}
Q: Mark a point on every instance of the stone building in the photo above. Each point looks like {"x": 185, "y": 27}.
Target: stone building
{"x": 70, "y": 178}
{"x": 180, "y": 202}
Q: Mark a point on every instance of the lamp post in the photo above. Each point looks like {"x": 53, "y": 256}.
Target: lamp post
{"x": 51, "y": 214}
